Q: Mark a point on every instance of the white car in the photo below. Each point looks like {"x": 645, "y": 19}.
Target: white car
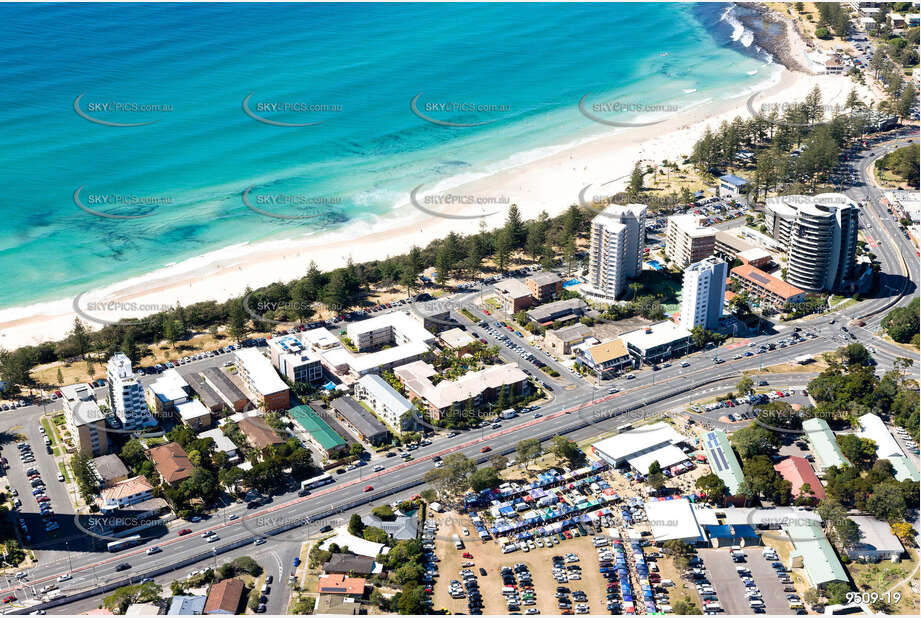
{"x": 259, "y": 541}
{"x": 65, "y": 577}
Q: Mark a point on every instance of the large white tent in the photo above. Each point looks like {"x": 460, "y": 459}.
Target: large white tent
{"x": 635, "y": 442}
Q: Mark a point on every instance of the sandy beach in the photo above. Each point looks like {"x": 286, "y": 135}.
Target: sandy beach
{"x": 551, "y": 183}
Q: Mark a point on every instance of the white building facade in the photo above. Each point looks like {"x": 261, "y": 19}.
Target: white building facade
{"x": 702, "y": 294}
{"x": 126, "y": 394}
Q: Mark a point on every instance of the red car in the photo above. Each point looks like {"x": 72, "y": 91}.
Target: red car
{"x": 9, "y": 599}
{"x": 184, "y": 532}
{"x": 368, "y": 488}
{"x": 485, "y": 449}
{"x": 467, "y": 555}
{"x": 486, "y": 312}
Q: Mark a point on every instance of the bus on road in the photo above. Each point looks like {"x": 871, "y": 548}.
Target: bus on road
{"x": 124, "y": 543}
{"x": 317, "y": 481}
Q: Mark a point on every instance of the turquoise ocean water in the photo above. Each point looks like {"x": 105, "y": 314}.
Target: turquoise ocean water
{"x": 362, "y": 64}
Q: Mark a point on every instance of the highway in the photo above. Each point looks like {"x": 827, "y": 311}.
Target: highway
{"x": 577, "y": 410}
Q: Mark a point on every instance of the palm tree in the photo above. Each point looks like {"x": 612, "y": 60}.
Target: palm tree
{"x": 635, "y": 288}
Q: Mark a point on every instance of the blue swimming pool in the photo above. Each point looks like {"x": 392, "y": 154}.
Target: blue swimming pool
{"x": 654, "y": 265}
{"x": 570, "y": 283}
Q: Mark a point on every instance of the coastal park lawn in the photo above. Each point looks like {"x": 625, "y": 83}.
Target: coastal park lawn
{"x": 884, "y": 576}
{"x": 76, "y": 371}
{"x": 807, "y": 21}
{"x": 664, "y": 181}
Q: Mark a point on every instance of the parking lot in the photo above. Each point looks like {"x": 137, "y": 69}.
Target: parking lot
{"x": 730, "y": 587}
{"x": 38, "y": 494}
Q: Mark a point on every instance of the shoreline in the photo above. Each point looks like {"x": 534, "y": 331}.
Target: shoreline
{"x": 551, "y": 183}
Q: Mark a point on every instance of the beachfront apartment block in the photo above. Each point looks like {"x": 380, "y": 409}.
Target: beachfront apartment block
{"x": 480, "y": 387}
{"x": 391, "y": 329}
{"x": 687, "y": 241}
{"x": 84, "y": 420}
{"x": 294, "y": 360}
{"x": 771, "y": 290}
{"x": 702, "y": 293}
{"x": 388, "y": 404}
{"x": 618, "y": 238}
{"x": 261, "y": 380}
{"x": 126, "y": 394}
{"x": 545, "y": 286}
{"x": 513, "y": 295}
{"x": 819, "y": 235}
{"x": 381, "y": 343}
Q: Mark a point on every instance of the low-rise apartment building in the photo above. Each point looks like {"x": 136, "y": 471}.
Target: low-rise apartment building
{"x": 770, "y": 289}
{"x": 108, "y": 470}
{"x": 561, "y": 340}
{"x": 166, "y": 392}
{"x": 480, "y": 387}
{"x": 513, "y": 295}
{"x": 355, "y": 418}
{"x": 293, "y": 360}
{"x": 194, "y": 414}
{"x": 389, "y": 405}
{"x": 559, "y": 311}
{"x": 545, "y": 286}
{"x": 84, "y": 420}
{"x": 261, "y": 380}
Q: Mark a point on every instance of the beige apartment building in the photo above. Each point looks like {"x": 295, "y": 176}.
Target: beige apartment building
{"x": 687, "y": 242}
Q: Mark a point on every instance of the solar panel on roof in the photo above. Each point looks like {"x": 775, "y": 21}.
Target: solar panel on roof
{"x": 758, "y": 277}
{"x": 717, "y": 456}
